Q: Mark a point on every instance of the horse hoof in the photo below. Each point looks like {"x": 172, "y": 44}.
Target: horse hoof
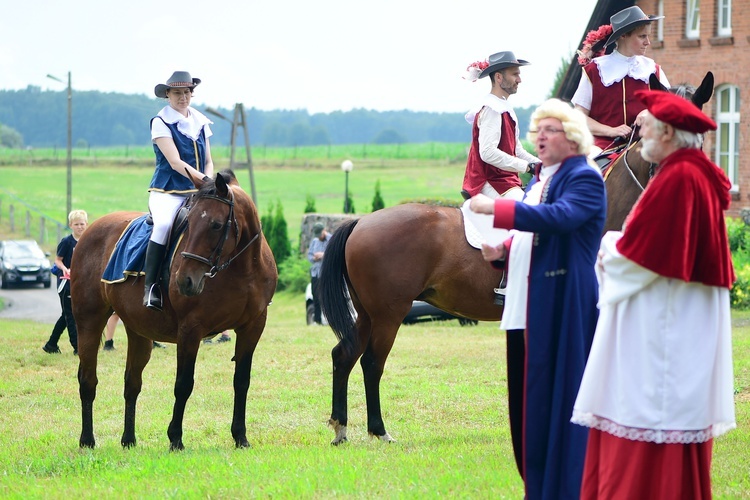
{"x": 86, "y": 443}
{"x": 178, "y": 446}
{"x": 241, "y": 443}
{"x": 340, "y": 431}
{"x": 387, "y": 438}
{"x": 339, "y": 440}
{"x": 128, "y": 444}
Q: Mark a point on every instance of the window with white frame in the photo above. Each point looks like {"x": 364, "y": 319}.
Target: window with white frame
{"x": 693, "y": 17}
{"x": 660, "y": 22}
{"x": 724, "y": 18}
{"x": 728, "y": 131}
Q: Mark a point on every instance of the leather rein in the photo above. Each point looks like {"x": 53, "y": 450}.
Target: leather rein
{"x": 627, "y": 165}
{"x": 213, "y": 261}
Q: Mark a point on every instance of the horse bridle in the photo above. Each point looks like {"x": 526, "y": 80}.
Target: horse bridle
{"x": 651, "y": 167}
{"x": 213, "y": 260}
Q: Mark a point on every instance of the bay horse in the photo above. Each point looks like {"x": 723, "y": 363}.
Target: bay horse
{"x": 223, "y": 276}
{"x": 629, "y": 174}
{"x": 386, "y": 259}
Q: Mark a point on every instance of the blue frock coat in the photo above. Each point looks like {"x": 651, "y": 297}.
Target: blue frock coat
{"x": 561, "y": 319}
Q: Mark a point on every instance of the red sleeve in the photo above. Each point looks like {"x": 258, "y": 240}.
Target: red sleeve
{"x": 505, "y": 211}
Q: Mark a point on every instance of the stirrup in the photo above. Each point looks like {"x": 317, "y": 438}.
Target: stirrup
{"x": 499, "y": 296}
{"x": 152, "y": 300}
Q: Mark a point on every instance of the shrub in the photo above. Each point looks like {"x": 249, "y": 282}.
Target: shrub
{"x": 294, "y": 273}
{"x": 377, "y": 200}
{"x": 275, "y": 229}
{"x": 738, "y": 234}
{"x": 739, "y": 243}
{"x": 310, "y": 205}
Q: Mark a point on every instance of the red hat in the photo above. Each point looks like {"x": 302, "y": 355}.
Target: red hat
{"x": 675, "y": 110}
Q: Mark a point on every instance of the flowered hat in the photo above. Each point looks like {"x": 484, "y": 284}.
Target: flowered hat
{"x": 179, "y": 79}
{"x": 627, "y": 20}
{"x": 501, "y": 60}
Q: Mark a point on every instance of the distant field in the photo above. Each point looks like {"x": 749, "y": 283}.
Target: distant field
{"x": 325, "y": 154}
{"x": 110, "y": 186}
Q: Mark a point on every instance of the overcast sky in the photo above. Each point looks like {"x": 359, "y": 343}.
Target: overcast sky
{"x": 323, "y": 55}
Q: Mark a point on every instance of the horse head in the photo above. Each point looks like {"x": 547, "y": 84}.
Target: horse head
{"x": 628, "y": 180}
{"x": 213, "y": 233}
{"x": 698, "y": 96}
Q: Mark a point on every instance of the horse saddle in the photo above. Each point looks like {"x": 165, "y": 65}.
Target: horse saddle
{"x": 607, "y": 158}
{"x": 129, "y": 255}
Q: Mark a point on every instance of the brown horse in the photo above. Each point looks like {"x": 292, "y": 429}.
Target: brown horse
{"x": 628, "y": 175}
{"x": 223, "y": 233}
{"x": 390, "y": 258}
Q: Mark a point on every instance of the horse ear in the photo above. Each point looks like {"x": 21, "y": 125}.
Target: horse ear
{"x": 221, "y": 186}
{"x": 655, "y": 84}
{"x": 704, "y": 92}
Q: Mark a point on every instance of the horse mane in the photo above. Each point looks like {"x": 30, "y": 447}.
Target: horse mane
{"x": 209, "y": 186}
{"x": 684, "y": 90}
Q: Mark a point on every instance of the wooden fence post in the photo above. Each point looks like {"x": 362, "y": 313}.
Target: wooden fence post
{"x": 41, "y": 230}
{"x": 11, "y": 215}
{"x": 28, "y": 224}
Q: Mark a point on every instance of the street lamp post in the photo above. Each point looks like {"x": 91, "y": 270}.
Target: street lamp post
{"x": 347, "y": 167}
{"x": 69, "y": 159}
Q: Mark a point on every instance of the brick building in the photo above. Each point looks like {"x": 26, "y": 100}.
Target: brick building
{"x": 697, "y": 36}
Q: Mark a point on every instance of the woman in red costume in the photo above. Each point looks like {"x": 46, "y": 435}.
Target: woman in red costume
{"x": 606, "y": 92}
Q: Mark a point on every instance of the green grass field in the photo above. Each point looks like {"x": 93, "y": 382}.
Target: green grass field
{"x": 443, "y": 391}
{"x": 103, "y": 189}
{"x": 444, "y": 401}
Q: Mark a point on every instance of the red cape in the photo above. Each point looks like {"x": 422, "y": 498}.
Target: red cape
{"x": 677, "y": 227}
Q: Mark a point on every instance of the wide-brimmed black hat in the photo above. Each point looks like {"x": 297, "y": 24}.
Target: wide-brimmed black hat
{"x": 627, "y": 20}
{"x": 179, "y": 79}
{"x": 501, "y": 60}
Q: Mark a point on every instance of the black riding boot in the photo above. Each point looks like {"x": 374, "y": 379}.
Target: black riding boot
{"x": 152, "y": 292}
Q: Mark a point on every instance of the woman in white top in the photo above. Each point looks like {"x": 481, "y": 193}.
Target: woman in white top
{"x": 606, "y": 92}
{"x": 180, "y": 135}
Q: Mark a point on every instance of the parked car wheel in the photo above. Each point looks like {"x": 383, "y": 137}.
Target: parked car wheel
{"x": 467, "y": 322}
{"x": 310, "y": 313}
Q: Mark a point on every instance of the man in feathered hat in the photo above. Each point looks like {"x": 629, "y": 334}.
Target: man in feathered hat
{"x": 496, "y": 156}
{"x": 658, "y": 384}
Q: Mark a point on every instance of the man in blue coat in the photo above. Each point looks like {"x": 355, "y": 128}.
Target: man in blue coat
{"x": 552, "y": 293}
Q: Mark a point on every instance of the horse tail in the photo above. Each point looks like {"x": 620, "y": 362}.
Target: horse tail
{"x": 332, "y": 289}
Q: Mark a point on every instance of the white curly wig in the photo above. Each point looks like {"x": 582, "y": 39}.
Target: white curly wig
{"x": 573, "y": 122}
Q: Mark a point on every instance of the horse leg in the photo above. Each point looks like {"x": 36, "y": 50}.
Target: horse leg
{"x": 90, "y": 326}
{"x": 373, "y": 362}
{"x": 139, "y": 354}
{"x": 187, "y": 352}
{"x": 247, "y": 340}
{"x": 343, "y": 363}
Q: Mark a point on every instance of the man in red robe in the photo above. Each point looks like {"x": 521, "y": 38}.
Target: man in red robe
{"x": 658, "y": 385}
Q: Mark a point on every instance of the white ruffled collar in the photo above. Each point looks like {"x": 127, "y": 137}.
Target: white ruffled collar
{"x": 495, "y": 103}
{"x": 615, "y": 66}
{"x": 189, "y": 125}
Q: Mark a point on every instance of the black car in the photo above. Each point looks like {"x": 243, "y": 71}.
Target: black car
{"x": 23, "y": 262}
{"x": 420, "y": 311}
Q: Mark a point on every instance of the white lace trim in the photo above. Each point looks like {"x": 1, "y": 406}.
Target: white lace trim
{"x": 651, "y": 435}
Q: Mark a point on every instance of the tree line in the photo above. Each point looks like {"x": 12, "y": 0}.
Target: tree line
{"x": 35, "y": 118}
